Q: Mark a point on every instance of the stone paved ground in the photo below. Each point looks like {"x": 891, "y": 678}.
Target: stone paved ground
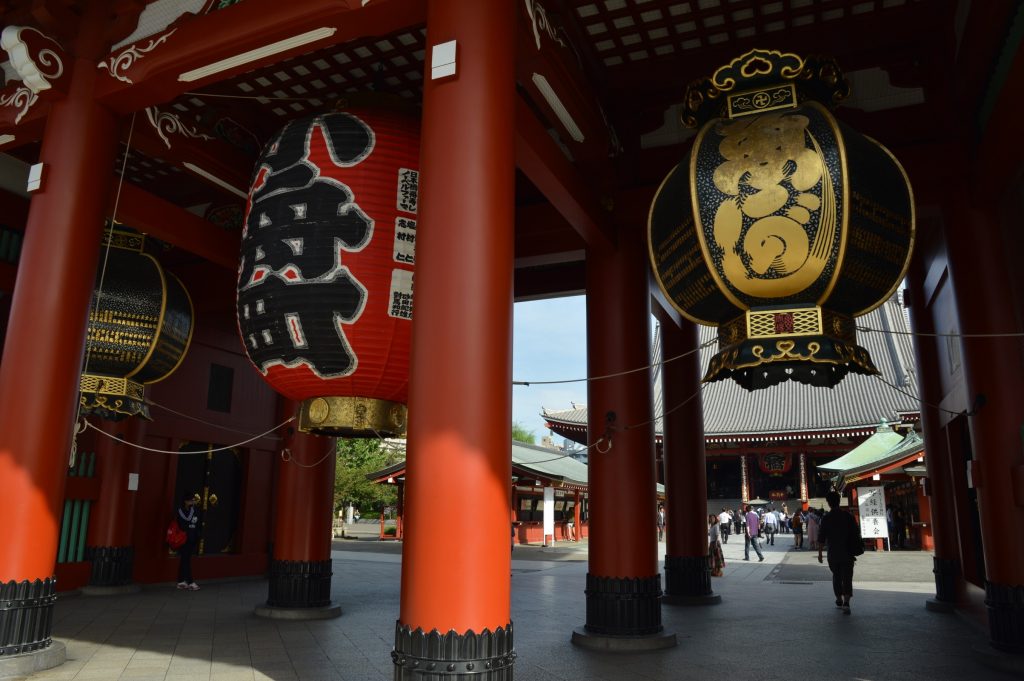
{"x": 776, "y": 621}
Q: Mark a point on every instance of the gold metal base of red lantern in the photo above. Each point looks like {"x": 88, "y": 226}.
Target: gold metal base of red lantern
{"x": 112, "y": 397}
{"x": 352, "y": 417}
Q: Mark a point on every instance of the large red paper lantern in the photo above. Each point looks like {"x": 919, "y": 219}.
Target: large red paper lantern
{"x": 325, "y": 283}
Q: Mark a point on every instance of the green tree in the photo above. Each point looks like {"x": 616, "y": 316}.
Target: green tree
{"x": 356, "y": 458}
{"x": 521, "y": 434}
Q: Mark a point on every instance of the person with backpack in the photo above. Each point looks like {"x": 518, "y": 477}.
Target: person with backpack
{"x": 839, "y": 531}
{"x": 188, "y": 521}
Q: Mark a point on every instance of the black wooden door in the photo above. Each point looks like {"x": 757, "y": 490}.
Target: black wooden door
{"x": 215, "y": 479}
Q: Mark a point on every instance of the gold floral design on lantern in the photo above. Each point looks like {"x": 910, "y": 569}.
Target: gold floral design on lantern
{"x": 772, "y": 180}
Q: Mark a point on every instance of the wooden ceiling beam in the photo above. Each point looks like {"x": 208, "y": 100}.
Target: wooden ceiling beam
{"x": 161, "y": 219}
{"x": 856, "y": 43}
{"x": 163, "y": 138}
{"x": 557, "y": 178}
{"x": 998, "y": 156}
{"x": 169, "y": 65}
{"x": 548, "y": 71}
{"x": 550, "y": 281}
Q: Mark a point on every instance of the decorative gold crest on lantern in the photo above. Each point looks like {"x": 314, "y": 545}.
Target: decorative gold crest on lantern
{"x": 782, "y": 225}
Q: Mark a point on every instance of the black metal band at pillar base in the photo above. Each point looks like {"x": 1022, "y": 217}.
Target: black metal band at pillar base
{"x": 947, "y": 572}
{"x": 687, "y": 576}
{"x": 26, "y": 615}
{"x": 623, "y": 607}
{"x": 1005, "y": 604}
{"x": 111, "y": 565}
{"x": 432, "y": 656}
{"x": 299, "y": 584}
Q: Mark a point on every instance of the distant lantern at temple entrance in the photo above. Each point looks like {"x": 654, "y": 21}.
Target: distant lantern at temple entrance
{"x": 140, "y": 326}
{"x": 782, "y": 225}
{"x": 326, "y": 279}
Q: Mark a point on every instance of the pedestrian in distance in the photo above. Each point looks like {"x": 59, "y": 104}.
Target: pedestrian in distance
{"x": 813, "y": 522}
{"x": 771, "y": 527}
{"x": 899, "y": 524}
{"x": 661, "y": 523}
{"x": 724, "y": 521}
{"x": 840, "y": 533}
{"x": 750, "y": 536}
{"x": 798, "y": 530}
{"x": 716, "y": 559}
{"x": 188, "y": 521}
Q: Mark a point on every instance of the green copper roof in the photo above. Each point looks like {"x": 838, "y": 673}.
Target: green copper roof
{"x": 880, "y": 450}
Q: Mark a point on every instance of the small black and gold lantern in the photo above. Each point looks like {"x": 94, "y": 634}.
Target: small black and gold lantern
{"x": 140, "y": 326}
{"x": 782, "y": 225}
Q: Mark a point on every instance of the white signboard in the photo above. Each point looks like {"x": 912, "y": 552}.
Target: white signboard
{"x": 549, "y": 513}
{"x": 871, "y": 503}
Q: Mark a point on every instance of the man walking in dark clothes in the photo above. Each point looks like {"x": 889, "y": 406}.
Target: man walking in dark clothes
{"x": 839, "y": 530}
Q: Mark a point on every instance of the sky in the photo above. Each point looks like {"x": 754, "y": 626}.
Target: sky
{"x": 549, "y": 343}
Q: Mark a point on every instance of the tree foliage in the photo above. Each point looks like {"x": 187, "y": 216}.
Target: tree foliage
{"x": 356, "y": 458}
{"x": 521, "y": 434}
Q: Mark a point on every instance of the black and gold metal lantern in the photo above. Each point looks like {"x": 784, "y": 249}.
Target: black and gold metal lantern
{"x": 140, "y": 326}
{"x": 782, "y": 225}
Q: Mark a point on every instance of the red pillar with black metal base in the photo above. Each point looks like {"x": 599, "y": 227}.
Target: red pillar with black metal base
{"x": 949, "y": 580}
{"x": 687, "y": 573}
{"x": 109, "y": 541}
{"x": 44, "y": 345}
{"x": 623, "y": 582}
{"x": 994, "y": 371}
{"x": 455, "y": 614}
{"x": 300, "y": 567}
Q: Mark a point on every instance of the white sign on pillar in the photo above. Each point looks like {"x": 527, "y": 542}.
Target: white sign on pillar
{"x": 871, "y": 503}
{"x": 549, "y": 514}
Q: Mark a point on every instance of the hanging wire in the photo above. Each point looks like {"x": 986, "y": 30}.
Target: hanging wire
{"x": 286, "y": 456}
{"x": 108, "y": 232}
{"x": 621, "y": 373}
{"x": 94, "y": 304}
{"x": 179, "y": 453}
{"x": 203, "y": 421}
{"x": 940, "y": 335}
{"x": 664, "y": 414}
{"x": 927, "y": 404}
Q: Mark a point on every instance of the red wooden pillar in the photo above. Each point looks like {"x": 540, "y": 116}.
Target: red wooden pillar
{"x": 994, "y": 371}
{"x": 949, "y": 580}
{"x": 623, "y": 582}
{"x": 111, "y": 525}
{"x": 45, "y": 341}
{"x": 457, "y": 585}
{"x": 687, "y": 574}
{"x": 300, "y": 567}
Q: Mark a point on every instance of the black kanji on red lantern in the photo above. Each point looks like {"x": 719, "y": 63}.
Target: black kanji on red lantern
{"x": 294, "y": 290}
